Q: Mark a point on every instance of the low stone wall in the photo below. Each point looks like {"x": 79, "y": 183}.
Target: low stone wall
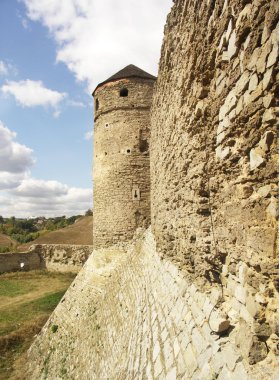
{"x": 131, "y": 315}
{"x": 14, "y": 262}
{"x": 63, "y": 257}
{"x": 53, "y": 257}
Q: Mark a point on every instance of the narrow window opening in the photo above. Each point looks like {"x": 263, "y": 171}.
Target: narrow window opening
{"x": 136, "y": 193}
{"x": 128, "y": 151}
{"x": 97, "y": 104}
{"x": 123, "y": 92}
{"x": 143, "y": 146}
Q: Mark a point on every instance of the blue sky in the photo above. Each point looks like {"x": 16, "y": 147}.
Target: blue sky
{"x": 52, "y": 55}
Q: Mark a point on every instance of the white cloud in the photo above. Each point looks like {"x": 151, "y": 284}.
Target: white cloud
{"x": 29, "y": 93}
{"x": 76, "y": 103}
{"x": 9, "y": 181}
{"x": 40, "y": 197}
{"x": 14, "y": 157}
{"x": 95, "y": 38}
{"x": 88, "y": 135}
{"x": 23, "y": 21}
{"x": 34, "y": 188}
{"x": 22, "y": 196}
{"x": 3, "y": 68}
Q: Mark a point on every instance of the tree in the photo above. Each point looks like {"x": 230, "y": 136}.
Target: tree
{"x": 89, "y": 212}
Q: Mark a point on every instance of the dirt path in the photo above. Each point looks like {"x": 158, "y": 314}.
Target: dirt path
{"x": 42, "y": 288}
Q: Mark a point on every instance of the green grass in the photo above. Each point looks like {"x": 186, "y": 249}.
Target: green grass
{"x": 38, "y": 293}
{"x": 15, "y": 316}
{"x": 14, "y": 288}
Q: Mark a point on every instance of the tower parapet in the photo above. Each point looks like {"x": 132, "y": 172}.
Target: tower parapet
{"x": 121, "y": 165}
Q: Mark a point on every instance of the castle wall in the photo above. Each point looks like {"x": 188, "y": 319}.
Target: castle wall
{"x": 121, "y": 173}
{"x": 198, "y": 298}
{"x": 63, "y": 257}
{"x": 214, "y": 156}
{"x": 131, "y": 315}
{"x": 16, "y": 262}
{"x": 53, "y": 257}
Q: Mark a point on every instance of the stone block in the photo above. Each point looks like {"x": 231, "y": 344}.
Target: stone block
{"x": 218, "y": 323}
{"x": 171, "y": 375}
{"x": 190, "y": 359}
{"x": 254, "y": 59}
{"x": 156, "y": 350}
{"x": 266, "y": 141}
{"x": 221, "y": 154}
{"x": 198, "y": 341}
{"x": 256, "y": 158}
{"x": 239, "y": 106}
{"x": 267, "y": 79}
{"x": 270, "y": 116}
{"x": 232, "y": 48}
{"x": 176, "y": 347}
{"x": 264, "y": 191}
{"x": 207, "y": 307}
{"x": 243, "y": 273}
{"x": 261, "y": 62}
{"x": 242, "y": 83}
{"x": 181, "y": 365}
{"x": 273, "y": 209}
{"x": 225, "y": 374}
{"x": 245, "y": 315}
{"x": 240, "y": 373}
{"x": 158, "y": 367}
{"x": 232, "y": 356}
{"x": 272, "y": 58}
{"x": 253, "y": 82}
{"x": 260, "y": 240}
{"x": 240, "y": 293}
{"x": 218, "y": 361}
{"x": 206, "y": 372}
{"x": 205, "y": 357}
{"x": 267, "y": 100}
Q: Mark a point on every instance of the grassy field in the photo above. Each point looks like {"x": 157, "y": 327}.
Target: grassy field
{"x": 26, "y": 301}
{"x": 78, "y": 233}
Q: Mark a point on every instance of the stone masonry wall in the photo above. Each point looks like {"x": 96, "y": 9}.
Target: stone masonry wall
{"x": 121, "y": 173}
{"x": 14, "y": 262}
{"x": 53, "y": 257}
{"x": 63, "y": 257}
{"x": 131, "y": 315}
{"x": 214, "y": 157}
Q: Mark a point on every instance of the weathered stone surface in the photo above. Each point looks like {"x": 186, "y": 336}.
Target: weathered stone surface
{"x": 256, "y": 158}
{"x": 121, "y": 171}
{"x": 53, "y": 257}
{"x": 209, "y": 219}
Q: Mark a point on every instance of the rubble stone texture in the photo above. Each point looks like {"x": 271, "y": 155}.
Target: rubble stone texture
{"x": 195, "y": 296}
{"x": 53, "y": 257}
{"x": 214, "y": 156}
{"x": 121, "y": 173}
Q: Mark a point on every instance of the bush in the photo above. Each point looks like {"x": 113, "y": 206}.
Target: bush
{"x": 5, "y": 249}
{"x": 89, "y": 212}
{"x": 54, "y": 328}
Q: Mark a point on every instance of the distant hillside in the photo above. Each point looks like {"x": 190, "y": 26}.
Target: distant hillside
{"x": 6, "y": 241}
{"x": 78, "y": 233}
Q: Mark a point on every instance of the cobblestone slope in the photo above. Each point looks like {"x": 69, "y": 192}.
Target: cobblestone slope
{"x": 131, "y": 315}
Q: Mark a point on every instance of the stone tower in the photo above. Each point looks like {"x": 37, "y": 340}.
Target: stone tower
{"x": 121, "y": 166}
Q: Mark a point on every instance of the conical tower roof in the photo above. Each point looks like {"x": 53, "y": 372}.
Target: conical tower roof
{"x": 130, "y": 71}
